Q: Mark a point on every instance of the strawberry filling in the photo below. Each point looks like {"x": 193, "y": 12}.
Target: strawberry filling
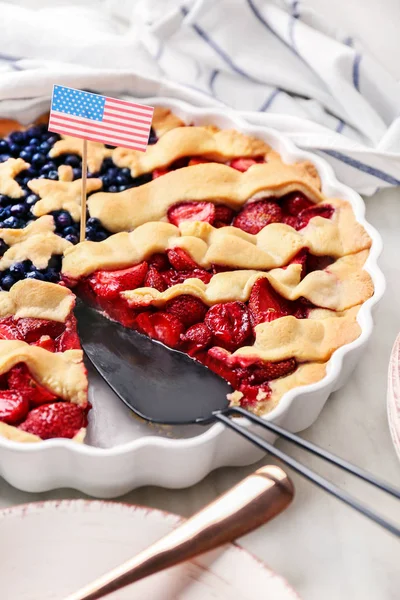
{"x": 294, "y": 209}
{"x": 26, "y": 404}
{"x": 51, "y": 335}
{"x": 208, "y": 334}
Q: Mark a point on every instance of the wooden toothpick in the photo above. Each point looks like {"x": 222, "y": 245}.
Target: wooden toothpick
{"x": 83, "y": 198}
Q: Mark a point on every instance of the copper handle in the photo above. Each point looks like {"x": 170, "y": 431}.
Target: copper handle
{"x": 252, "y": 502}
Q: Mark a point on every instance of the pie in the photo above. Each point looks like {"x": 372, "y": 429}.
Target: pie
{"x": 208, "y": 242}
{"x": 43, "y": 383}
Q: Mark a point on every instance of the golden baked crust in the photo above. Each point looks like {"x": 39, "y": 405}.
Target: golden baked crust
{"x": 338, "y": 287}
{"x": 37, "y": 300}
{"x": 164, "y": 120}
{"x": 96, "y": 151}
{"x": 206, "y": 142}
{"x": 210, "y": 182}
{"x": 17, "y": 435}
{"x": 8, "y": 170}
{"x": 63, "y": 373}
{"x": 63, "y": 194}
{"x": 36, "y": 242}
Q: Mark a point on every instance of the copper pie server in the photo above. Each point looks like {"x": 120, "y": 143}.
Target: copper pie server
{"x": 252, "y": 502}
{"x": 167, "y": 387}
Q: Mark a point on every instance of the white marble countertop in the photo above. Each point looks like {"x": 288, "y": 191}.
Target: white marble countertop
{"x": 324, "y": 549}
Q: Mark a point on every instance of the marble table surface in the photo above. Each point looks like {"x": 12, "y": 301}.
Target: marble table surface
{"x": 324, "y": 549}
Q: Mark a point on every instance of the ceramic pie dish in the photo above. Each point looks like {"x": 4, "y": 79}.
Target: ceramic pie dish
{"x": 355, "y": 250}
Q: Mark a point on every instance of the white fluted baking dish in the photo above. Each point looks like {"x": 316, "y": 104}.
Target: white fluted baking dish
{"x": 182, "y": 461}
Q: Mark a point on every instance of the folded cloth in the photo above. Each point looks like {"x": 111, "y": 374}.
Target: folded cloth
{"x": 276, "y": 61}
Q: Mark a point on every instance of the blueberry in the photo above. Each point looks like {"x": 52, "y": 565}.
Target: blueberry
{"x": 113, "y": 172}
{"x": 121, "y": 179}
{"x": 63, "y": 219}
{"x": 7, "y": 281}
{"x": 51, "y": 275}
{"x": 4, "y": 146}
{"x": 70, "y": 231}
{"x": 77, "y": 173}
{"x": 31, "y": 199}
{"x": 17, "y": 137}
{"x": 26, "y": 155}
{"x": 38, "y": 159}
{"x": 15, "y": 149}
{"x": 107, "y": 180}
{"x": 100, "y": 236}
{"x": 33, "y": 142}
{"x": 17, "y": 271}
{"x": 27, "y": 265}
{"x": 52, "y": 175}
{"x": 122, "y": 188}
{"x": 55, "y": 262}
{"x": 6, "y": 212}
{"x": 32, "y": 172}
{"x": 35, "y": 131}
{"x": 3, "y": 247}
{"x": 4, "y": 157}
{"x": 93, "y": 221}
{"x": 72, "y": 238}
{"x": 72, "y": 160}
{"x": 11, "y": 222}
{"x": 51, "y": 139}
{"x": 125, "y": 171}
{"x": 45, "y": 147}
{"x": 34, "y": 274}
{"x": 90, "y": 232}
{"x": 18, "y": 210}
{"x": 113, "y": 189}
{"x": 50, "y": 166}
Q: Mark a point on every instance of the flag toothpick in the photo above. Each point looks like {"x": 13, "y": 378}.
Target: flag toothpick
{"x": 100, "y": 119}
{"x": 83, "y": 195}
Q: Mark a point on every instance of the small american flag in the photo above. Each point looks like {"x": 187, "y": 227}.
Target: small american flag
{"x": 100, "y": 118}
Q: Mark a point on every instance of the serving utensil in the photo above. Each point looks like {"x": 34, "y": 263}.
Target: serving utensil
{"x": 167, "y": 387}
{"x": 251, "y": 503}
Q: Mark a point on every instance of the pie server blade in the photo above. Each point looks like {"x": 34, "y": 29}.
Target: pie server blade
{"x": 159, "y": 384}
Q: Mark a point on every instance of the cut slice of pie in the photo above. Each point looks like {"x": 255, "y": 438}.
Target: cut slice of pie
{"x": 43, "y": 383}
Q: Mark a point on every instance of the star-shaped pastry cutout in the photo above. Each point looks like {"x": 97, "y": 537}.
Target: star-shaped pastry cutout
{"x": 8, "y": 170}
{"x": 64, "y": 194}
{"x": 36, "y": 242}
{"x": 96, "y": 152}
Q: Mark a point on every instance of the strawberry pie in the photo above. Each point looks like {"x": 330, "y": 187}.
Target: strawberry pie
{"x": 208, "y": 243}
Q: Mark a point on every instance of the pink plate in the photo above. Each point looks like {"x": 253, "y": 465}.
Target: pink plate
{"x": 393, "y": 395}
{"x": 50, "y": 549}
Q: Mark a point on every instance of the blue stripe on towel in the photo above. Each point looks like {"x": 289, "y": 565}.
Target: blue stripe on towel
{"x": 356, "y": 164}
{"x": 293, "y": 18}
{"x": 340, "y": 126}
{"x": 225, "y": 57}
{"x": 356, "y": 71}
{"x": 213, "y": 76}
{"x": 267, "y": 103}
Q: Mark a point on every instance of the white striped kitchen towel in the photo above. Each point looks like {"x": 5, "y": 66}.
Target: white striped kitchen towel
{"x": 276, "y": 60}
